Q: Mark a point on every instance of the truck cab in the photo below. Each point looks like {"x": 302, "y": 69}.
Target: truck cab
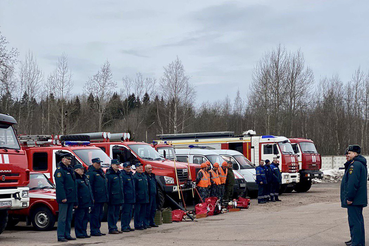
{"x": 309, "y": 162}
{"x": 14, "y": 172}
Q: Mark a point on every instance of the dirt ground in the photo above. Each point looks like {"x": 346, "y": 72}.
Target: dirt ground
{"x": 312, "y": 218}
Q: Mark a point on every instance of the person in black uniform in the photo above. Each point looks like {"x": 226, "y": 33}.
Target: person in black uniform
{"x": 142, "y": 197}
{"x": 354, "y": 194}
{"x": 116, "y": 195}
{"x": 151, "y": 208}
{"x": 99, "y": 186}
{"x": 66, "y": 196}
{"x": 269, "y": 177}
{"x": 85, "y": 201}
{"x": 129, "y": 197}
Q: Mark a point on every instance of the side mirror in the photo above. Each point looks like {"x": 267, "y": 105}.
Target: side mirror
{"x": 165, "y": 154}
{"x": 278, "y": 156}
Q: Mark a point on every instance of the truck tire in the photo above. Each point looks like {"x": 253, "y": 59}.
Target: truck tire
{"x": 12, "y": 222}
{"x": 3, "y": 219}
{"x": 303, "y": 186}
{"x": 43, "y": 219}
{"x": 160, "y": 199}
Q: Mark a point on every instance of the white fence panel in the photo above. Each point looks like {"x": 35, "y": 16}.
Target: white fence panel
{"x": 334, "y": 162}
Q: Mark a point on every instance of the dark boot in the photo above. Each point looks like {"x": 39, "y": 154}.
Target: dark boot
{"x": 277, "y": 199}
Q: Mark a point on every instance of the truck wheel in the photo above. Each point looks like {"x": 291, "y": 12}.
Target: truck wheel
{"x": 3, "y": 219}
{"x": 303, "y": 186}
{"x": 160, "y": 199}
{"x": 43, "y": 219}
{"x": 12, "y": 222}
{"x": 288, "y": 189}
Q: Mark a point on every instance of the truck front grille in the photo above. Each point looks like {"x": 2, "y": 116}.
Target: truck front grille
{"x": 182, "y": 175}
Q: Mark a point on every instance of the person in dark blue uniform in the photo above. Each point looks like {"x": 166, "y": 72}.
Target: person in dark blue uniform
{"x": 269, "y": 176}
{"x": 66, "y": 196}
{"x": 129, "y": 197}
{"x": 276, "y": 180}
{"x": 99, "y": 186}
{"x": 261, "y": 181}
{"x": 142, "y": 197}
{"x": 354, "y": 194}
{"x": 116, "y": 195}
{"x": 151, "y": 208}
{"x": 85, "y": 201}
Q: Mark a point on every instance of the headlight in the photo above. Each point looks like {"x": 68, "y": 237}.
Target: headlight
{"x": 286, "y": 176}
{"x": 25, "y": 193}
{"x": 168, "y": 180}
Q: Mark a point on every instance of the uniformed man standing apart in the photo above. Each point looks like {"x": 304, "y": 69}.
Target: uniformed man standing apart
{"x": 215, "y": 181}
{"x": 66, "y": 196}
{"x": 223, "y": 172}
{"x": 142, "y": 197}
{"x": 99, "y": 186}
{"x": 261, "y": 181}
{"x": 85, "y": 201}
{"x": 203, "y": 181}
{"x": 269, "y": 177}
{"x": 116, "y": 195}
{"x": 276, "y": 180}
{"x": 129, "y": 197}
{"x": 151, "y": 208}
{"x": 229, "y": 186}
{"x": 354, "y": 194}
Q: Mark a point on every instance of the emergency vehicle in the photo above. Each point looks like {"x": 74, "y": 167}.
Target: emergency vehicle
{"x": 118, "y": 146}
{"x": 14, "y": 173}
{"x": 254, "y": 148}
{"x": 309, "y": 162}
{"x": 43, "y": 208}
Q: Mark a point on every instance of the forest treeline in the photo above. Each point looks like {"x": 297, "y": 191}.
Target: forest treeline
{"x": 283, "y": 99}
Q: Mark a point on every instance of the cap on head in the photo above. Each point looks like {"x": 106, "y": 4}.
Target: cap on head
{"x": 275, "y": 158}
{"x": 267, "y": 161}
{"x": 204, "y": 165}
{"x": 115, "y": 161}
{"x": 76, "y": 166}
{"x": 354, "y": 148}
{"x": 139, "y": 164}
{"x": 127, "y": 164}
{"x": 66, "y": 155}
{"x": 207, "y": 163}
{"x": 96, "y": 160}
{"x": 224, "y": 164}
{"x": 216, "y": 164}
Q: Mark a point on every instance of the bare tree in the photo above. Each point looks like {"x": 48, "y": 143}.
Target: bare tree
{"x": 102, "y": 86}
{"x": 177, "y": 90}
{"x": 8, "y": 59}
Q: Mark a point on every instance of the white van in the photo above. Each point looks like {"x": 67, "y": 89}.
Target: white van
{"x": 198, "y": 156}
{"x": 242, "y": 165}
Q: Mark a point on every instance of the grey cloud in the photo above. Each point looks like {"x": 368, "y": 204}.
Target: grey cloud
{"x": 133, "y": 53}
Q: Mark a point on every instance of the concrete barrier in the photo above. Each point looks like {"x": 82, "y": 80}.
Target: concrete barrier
{"x": 334, "y": 162}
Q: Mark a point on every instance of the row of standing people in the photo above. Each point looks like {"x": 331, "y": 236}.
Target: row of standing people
{"x": 268, "y": 178}
{"x": 124, "y": 192}
{"x": 215, "y": 182}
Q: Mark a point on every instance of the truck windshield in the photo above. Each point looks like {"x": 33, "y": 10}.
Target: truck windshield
{"x": 169, "y": 153}
{"x": 145, "y": 151}
{"x": 308, "y": 148}
{"x": 286, "y": 148}
{"x": 86, "y": 155}
{"x": 244, "y": 162}
{"x": 8, "y": 140}
{"x": 39, "y": 181}
{"x": 215, "y": 158}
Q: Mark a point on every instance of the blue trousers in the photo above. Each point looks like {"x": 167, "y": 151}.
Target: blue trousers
{"x": 261, "y": 193}
{"x": 96, "y": 218}
{"x": 113, "y": 217}
{"x": 140, "y": 213}
{"x": 150, "y": 211}
{"x": 127, "y": 212}
{"x": 81, "y": 218}
{"x": 65, "y": 220}
{"x": 356, "y": 223}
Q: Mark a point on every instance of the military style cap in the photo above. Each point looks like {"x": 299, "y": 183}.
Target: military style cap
{"x": 78, "y": 166}
{"x": 267, "y": 161}
{"x": 96, "y": 160}
{"x": 354, "y": 148}
{"x": 127, "y": 164}
{"x": 115, "y": 161}
{"x": 138, "y": 164}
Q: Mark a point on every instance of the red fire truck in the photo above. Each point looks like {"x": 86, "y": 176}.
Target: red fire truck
{"x": 254, "y": 148}
{"x": 118, "y": 146}
{"x": 43, "y": 209}
{"x": 309, "y": 162}
{"x": 14, "y": 173}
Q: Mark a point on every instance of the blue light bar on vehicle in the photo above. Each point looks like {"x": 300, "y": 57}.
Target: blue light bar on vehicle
{"x": 76, "y": 143}
{"x": 197, "y": 146}
{"x": 267, "y": 136}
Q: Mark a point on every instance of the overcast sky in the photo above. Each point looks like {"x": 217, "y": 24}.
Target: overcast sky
{"x": 219, "y": 42}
